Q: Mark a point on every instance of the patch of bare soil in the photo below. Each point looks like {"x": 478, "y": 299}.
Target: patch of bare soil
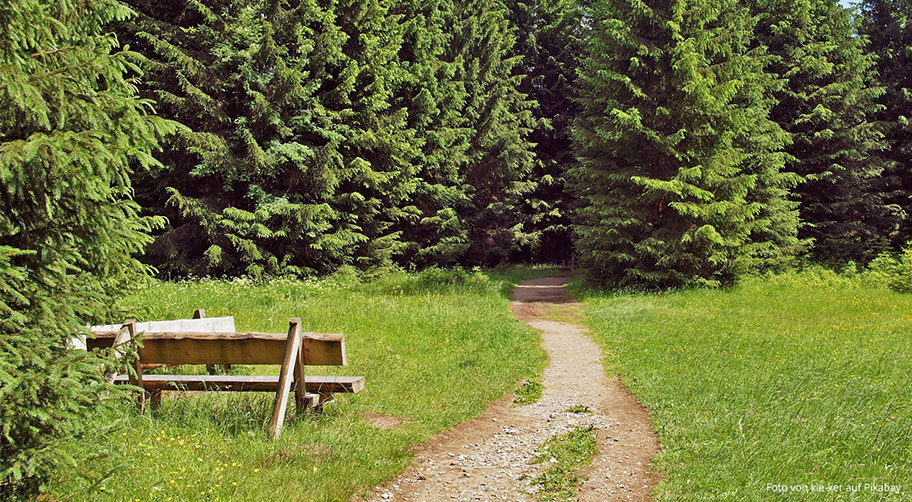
{"x": 488, "y": 458}
{"x": 383, "y": 421}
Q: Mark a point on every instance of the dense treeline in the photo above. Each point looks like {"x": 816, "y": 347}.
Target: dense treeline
{"x": 826, "y": 102}
{"x": 887, "y": 25}
{"x": 353, "y": 133}
{"x": 659, "y": 144}
{"x": 656, "y": 143}
{"x": 718, "y": 138}
{"x": 680, "y": 175}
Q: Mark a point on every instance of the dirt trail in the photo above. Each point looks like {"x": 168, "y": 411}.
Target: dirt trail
{"x": 488, "y": 458}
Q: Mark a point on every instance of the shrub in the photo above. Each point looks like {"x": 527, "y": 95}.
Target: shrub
{"x": 902, "y": 279}
{"x": 892, "y": 271}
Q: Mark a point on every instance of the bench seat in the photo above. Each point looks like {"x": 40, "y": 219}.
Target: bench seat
{"x": 252, "y": 383}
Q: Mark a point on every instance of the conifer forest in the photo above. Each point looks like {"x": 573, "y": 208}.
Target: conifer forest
{"x": 648, "y": 144}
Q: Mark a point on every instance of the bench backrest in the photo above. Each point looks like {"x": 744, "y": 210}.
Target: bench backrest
{"x": 200, "y": 323}
{"x": 238, "y": 348}
{"x": 205, "y": 325}
{"x": 207, "y": 341}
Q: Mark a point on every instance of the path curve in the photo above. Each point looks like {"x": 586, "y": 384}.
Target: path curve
{"x": 488, "y": 458}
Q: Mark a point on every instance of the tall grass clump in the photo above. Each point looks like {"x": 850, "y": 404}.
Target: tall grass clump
{"x": 565, "y": 455}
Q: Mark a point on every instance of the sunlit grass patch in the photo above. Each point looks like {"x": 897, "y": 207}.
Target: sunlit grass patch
{"x": 792, "y": 380}
{"x": 435, "y": 348}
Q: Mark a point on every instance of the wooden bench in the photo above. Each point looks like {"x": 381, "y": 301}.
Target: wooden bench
{"x": 292, "y": 351}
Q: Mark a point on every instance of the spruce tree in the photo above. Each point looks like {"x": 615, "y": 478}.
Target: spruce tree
{"x": 471, "y": 122}
{"x": 888, "y": 26}
{"x": 827, "y": 102}
{"x": 378, "y": 147}
{"x": 548, "y": 38}
{"x": 499, "y": 155}
{"x": 435, "y": 100}
{"x": 211, "y": 66}
{"x": 680, "y": 175}
{"x": 71, "y": 131}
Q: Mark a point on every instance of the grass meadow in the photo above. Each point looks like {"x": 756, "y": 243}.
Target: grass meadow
{"x": 797, "y": 387}
{"x": 789, "y": 387}
{"x": 434, "y": 347}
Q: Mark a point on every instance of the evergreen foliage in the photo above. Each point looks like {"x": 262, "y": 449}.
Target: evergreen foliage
{"x": 354, "y": 133}
{"x": 827, "y": 103}
{"x": 498, "y": 118}
{"x": 296, "y": 160}
{"x": 680, "y": 175}
{"x": 71, "y": 132}
{"x": 888, "y": 26}
{"x": 435, "y": 99}
{"x": 549, "y": 39}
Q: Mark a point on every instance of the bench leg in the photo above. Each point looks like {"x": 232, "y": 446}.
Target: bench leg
{"x": 311, "y": 402}
{"x": 218, "y": 369}
{"x": 129, "y": 334}
{"x": 286, "y": 377}
{"x": 300, "y": 392}
{"x": 141, "y": 401}
{"x": 302, "y": 401}
{"x": 155, "y": 398}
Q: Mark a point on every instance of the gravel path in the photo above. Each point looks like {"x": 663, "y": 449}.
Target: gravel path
{"x": 488, "y": 458}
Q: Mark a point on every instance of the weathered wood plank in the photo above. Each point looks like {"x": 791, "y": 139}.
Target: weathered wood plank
{"x": 247, "y": 383}
{"x": 286, "y": 377}
{"x": 298, "y": 385}
{"x": 103, "y": 336}
{"x": 225, "y": 348}
{"x": 128, "y": 332}
{"x": 326, "y": 349}
{"x": 341, "y": 384}
{"x": 205, "y": 325}
{"x": 232, "y": 348}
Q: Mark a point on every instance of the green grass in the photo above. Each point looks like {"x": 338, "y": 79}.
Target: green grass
{"x": 529, "y": 392}
{"x": 797, "y": 381}
{"x": 434, "y": 348}
{"x": 566, "y": 455}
